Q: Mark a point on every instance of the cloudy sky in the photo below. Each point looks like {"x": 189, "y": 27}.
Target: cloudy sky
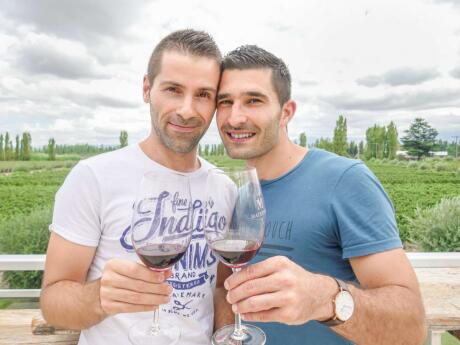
{"x": 72, "y": 70}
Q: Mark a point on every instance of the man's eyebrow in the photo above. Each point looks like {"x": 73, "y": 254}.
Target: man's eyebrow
{"x": 222, "y": 96}
{"x": 173, "y": 83}
{"x": 210, "y": 89}
{"x": 255, "y": 94}
{"x": 247, "y": 93}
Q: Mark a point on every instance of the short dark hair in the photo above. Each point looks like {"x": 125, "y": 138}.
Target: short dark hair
{"x": 188, "y": 41}
{"x": 252, "y": 56}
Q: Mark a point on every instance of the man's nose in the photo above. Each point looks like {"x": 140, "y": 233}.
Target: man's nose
{"x": 187, "y": 108}
{"x": 237, "y": 116}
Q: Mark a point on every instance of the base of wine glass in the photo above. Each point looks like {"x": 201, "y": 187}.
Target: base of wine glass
{"x": 252, "y": 336}
{"x": 143, "y": 333}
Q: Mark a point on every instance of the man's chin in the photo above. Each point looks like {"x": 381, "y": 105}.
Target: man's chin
{"x": 181, "y": 147}
{"x": 240, "y": 154}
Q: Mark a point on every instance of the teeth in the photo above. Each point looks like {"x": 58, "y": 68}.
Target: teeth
{"x": 241, "y": 136}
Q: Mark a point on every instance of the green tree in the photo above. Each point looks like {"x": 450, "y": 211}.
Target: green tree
{"x": 123, "y": 138}
{"x": 339, "y": 141}
{"x": 324, "y": 144}
{"x": 380, "y": 137}
{"x": 303, "y": 139}
{"x": 7, "y": 147}
{"x": 375, "y": 142}
{"x": 200, "y": 150}
{"x": 352, "y": 149}
{"x": 420, "y": 138}
{"x": 360, "y": 149}
{"x": 16, "y": 151}
{"x": 26, "y": 146}
{"x": 206, "y": 150}
{"x": 51, "y": 149}
{"x": 221, "y": 150}
{"x": 2, "y": 149}
{"x": 392, "y": 142}
{"x": 370, "y": 153}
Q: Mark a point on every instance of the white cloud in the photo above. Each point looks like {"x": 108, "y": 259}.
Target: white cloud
{"x": 83, "y": 20}
{"x": 400, "y": 76}
{"x": 73, "y": 70}
{"x": 437, "y": 98}
{"x": 455, "y": 72}
{"x": 38, "y": 55}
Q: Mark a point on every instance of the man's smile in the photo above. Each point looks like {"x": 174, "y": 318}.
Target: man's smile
{"x": 240, "y": 136}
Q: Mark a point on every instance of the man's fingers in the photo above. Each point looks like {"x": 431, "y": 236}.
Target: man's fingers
{"x": 135, "y": 270}
{"x": 122, "y": 282}
{"x": 259, "y": 303}
{"x": 258, "y": 270}
{"x": 254, "y": 287}
{"x": 132, "y": 297}
{"x": 263, "y": 316}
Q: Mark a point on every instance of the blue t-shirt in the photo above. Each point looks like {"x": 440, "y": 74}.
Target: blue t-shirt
{"x": 321, "y": 213}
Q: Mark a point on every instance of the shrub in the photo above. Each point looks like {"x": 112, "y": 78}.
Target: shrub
{"x": 25, "y": 234}
{"x": 412, "y": 164}
{"x": 69, "y": 164}
{"x": 441, "y": 167}
{"x": 424, "y": 166}
{"x": 394, "y": 161}
{"x": 449, "y": 159}
{"x": 22, "y": 168}
{"x": 385, "y": 160}
{"x": 437, "y": 229}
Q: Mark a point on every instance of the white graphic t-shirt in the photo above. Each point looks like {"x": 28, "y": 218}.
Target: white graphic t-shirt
{"x": 94, "y": 208}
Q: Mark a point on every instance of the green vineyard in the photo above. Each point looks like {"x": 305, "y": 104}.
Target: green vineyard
{"x": 27, "y": 194}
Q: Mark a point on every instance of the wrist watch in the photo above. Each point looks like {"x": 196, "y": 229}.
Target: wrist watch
{"x": 344, "y": 305}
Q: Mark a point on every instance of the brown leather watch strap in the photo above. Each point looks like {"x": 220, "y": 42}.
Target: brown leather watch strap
{"x": 335, "y": 321}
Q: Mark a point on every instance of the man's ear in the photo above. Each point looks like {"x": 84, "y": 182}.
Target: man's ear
{"x": 287, "y": 112}
{"x": 146, "y": 89}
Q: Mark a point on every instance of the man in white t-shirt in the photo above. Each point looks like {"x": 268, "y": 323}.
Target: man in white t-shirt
{"x": 93, "y": 281}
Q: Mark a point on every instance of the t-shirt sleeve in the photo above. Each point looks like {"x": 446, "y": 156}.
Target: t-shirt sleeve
{"x": 364, "y": 213}
{"x": 76, "y": 208}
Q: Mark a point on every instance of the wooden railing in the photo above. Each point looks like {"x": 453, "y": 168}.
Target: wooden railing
{"x": 438, "y": 274}
{"x": 21, "y": 263}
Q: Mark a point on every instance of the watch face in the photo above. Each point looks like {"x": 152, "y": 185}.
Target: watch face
{"x": 344, "y": 305}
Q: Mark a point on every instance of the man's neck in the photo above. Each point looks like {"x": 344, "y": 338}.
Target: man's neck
{"x": 155, "y": 150}
{"x": 278, "y": 161}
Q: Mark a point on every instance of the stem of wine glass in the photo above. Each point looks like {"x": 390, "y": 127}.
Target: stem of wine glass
{"x": 156, "y": 322}
{"x": 238, "y": 333}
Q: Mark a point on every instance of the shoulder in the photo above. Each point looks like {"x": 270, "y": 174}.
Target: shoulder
{"x": 114, "y": 164}
{"x": 98, "y": 168}
{"x": 335, "y": 167}
{"x": 120, "y": 156}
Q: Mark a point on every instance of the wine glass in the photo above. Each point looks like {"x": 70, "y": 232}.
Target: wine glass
{"x": 161, "y": 231}
{"x": 235, "y": 229}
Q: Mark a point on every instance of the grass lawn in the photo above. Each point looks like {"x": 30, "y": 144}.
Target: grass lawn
{"x": 448, "y": 339}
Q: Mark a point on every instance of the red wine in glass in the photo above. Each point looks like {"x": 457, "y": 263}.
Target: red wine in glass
{"x": 234, "y": 230}
{"x": 161, "y": 256}
{"x": 235, "y": 253}
{"x": 157, "y": 247}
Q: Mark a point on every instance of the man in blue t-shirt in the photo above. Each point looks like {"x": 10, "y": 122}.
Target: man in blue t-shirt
{"x": 332, "y": 269}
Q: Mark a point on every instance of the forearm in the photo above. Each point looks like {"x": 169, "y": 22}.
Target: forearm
{"x": 72, "y": 305}
{"x": 386, "y": 315}
{"x": 223, "y": 314}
